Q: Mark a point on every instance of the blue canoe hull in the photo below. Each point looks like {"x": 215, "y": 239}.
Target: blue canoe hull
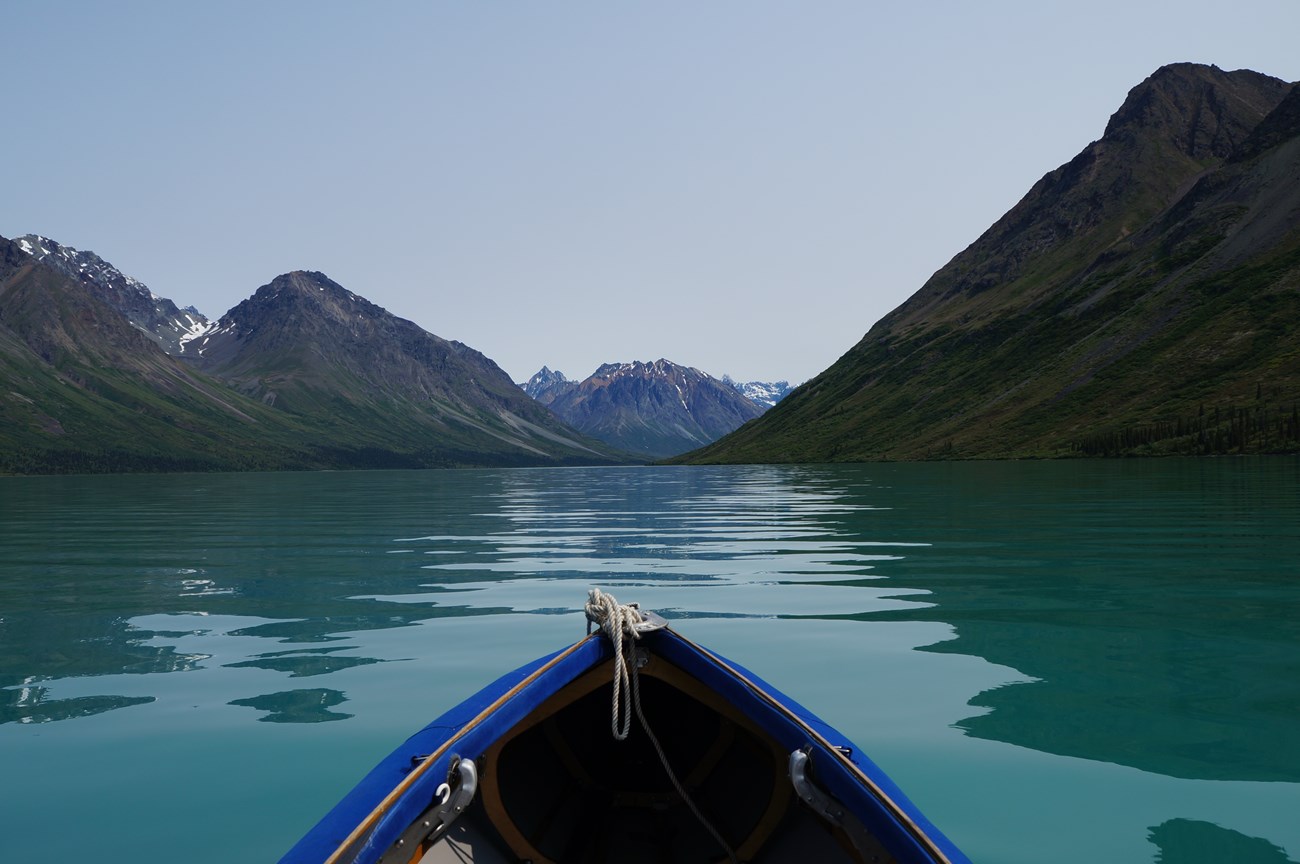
{"x": 364, "y": 826}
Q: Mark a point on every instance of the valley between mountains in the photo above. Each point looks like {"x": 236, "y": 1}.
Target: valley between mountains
{"x": 101, "y": 374}
{"x": 1141, "y": 299}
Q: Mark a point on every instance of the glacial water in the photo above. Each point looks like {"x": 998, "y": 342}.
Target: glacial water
{"x": 1058, "y": 662}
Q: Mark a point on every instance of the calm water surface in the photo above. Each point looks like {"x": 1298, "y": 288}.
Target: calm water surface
{"x": 1066, "y": 662}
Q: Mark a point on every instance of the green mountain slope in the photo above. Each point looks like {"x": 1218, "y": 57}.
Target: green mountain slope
{"x": 310, "y": 376}
{"x": 1139, "y": 299}
{"x": 82, "y": 390}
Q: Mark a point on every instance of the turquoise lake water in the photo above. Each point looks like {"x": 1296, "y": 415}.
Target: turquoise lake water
{"x": 1057, "y": 661}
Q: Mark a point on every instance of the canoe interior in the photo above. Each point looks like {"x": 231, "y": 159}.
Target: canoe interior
{"x": 559, "y": 788}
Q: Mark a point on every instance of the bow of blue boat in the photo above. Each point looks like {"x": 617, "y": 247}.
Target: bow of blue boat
{"x": 716, "y": 765}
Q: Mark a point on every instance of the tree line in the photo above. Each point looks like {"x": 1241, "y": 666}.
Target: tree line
{"x": 1259, "y": 428}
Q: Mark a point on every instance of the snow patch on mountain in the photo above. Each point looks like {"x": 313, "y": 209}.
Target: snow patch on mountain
{"x": 546, "y": 386}
{"x": 766, "y": 393}
{"x": 653, "y": 409}
{"x": 159, "y": 318}
{"x": 193, "y": 328}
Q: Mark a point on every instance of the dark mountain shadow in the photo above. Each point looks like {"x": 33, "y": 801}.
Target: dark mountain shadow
{"x": 33, "y": 705}
{"x": 297, "y": 706}
{"x": 1154, "y": 605}
{"x": 1190, "y": 841}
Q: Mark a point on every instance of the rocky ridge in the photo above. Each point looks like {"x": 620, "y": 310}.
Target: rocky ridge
{"x": 303, "y": 374}
{"x": 316, "y": 350}
{"x": 545, "y": 386}
{"x": 157, "y": 317}
{"x": 1135, "y": 301}
{"x": 653, "y": 410}
{"x": 765, "y": 393}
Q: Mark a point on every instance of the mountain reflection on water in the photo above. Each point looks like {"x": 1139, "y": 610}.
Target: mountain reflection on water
{"x": 1133, "y": 615}
{"x": 1156, "y": 605}
{"x": 297, "y": 706}
{"x": 1188, "y": 841}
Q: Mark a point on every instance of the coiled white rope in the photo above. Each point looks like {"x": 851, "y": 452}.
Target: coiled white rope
{"x": 619, "y": 622}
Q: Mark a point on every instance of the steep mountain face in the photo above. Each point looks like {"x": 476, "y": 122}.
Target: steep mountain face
{"x": 357, "y": 374}
{"x": 546, "y": 385}
{"x": 81, "y": 389}
{"x": 764, "y": 393}
{"x": 653, "y": 409}
{"x": 155, "y": 316}
{"x": 1137, "y": 300}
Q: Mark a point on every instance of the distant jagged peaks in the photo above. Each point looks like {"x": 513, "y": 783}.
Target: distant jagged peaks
{"x": 639, "y": 369}
{"x": 653, "y": 409}
{"x": 545, "y": 376}
{"x": 766, "y": 393}
{"x": 546, "y": 385}
{"x": 159, "y": 318}
{"x": 78, "y": 264}
{"x": 63, "y": 318}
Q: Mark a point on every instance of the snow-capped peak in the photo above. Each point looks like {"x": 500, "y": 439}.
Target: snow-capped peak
{"x": 151, "y": 313}
{"x": 762, "y": 392}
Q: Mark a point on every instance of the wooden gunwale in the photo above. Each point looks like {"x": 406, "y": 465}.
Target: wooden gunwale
{"x": 367, "y": 824}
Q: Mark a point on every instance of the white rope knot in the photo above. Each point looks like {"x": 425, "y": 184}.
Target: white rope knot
{"x": 619, "y": 622}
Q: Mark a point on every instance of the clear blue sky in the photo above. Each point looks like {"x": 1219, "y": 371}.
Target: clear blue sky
{"x": 744, "y": 187}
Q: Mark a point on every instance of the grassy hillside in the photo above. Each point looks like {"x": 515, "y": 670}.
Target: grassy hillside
{"x": 1139, "y": 300}
{"x": 82, "y": 391}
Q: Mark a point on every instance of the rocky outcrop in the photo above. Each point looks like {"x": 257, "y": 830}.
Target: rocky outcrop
{"x": 546, "y": 385}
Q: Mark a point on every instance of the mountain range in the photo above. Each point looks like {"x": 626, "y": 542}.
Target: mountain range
{"x": 99, "y": 374}
{"x": 1141, "y": 299}
{"x": 652, "y": 410}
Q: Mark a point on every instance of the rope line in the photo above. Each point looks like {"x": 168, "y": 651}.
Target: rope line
{"x": 619, "y": 621}
{"x": 677, "y": 784}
